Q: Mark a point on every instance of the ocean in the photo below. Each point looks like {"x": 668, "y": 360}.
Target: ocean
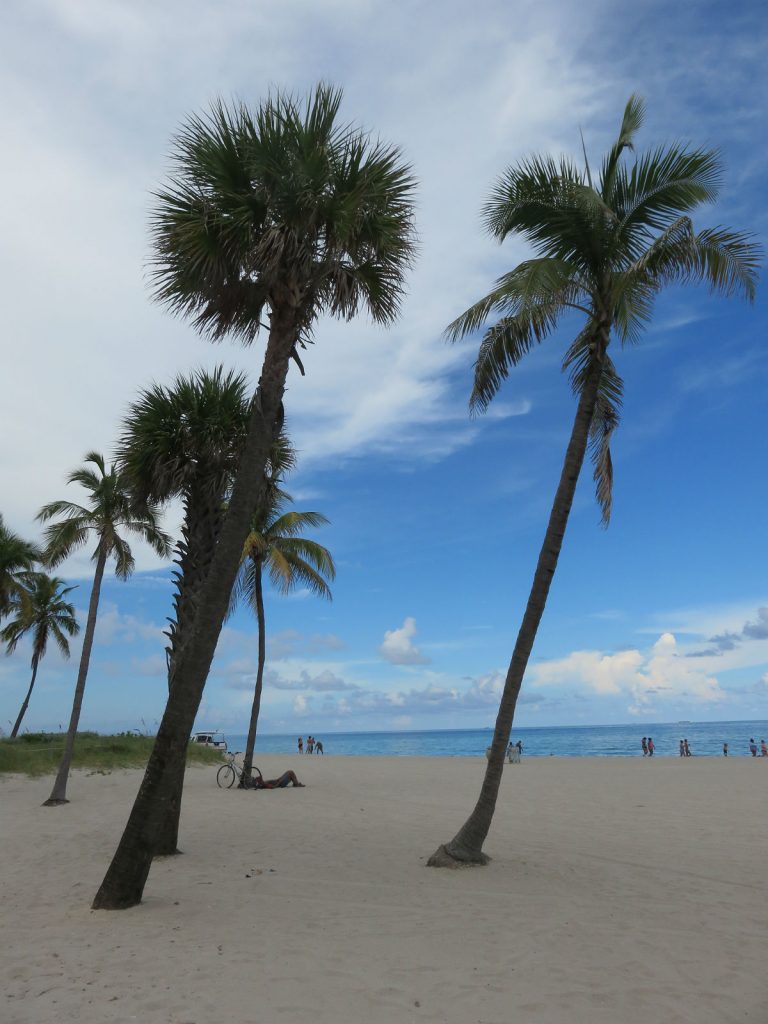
{"x": 704, "y": 739}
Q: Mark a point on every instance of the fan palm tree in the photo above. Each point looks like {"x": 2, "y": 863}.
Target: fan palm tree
{"x": 285, "y": 214}
{"x": 275, "y": 544}
{"x": 17, "y": 559}
{"x": 110, "y": 511}
{"x": 604, "y": 248}
{"x": 42, "y": 612}
{"x": 184, "y": 441}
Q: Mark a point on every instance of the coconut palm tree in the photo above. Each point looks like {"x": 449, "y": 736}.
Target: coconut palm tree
{"x": 110, "y": 512}
{"x": 42, "y": 612}
{"x": 604, "y": 247}
{"x": 17, "y": 559}
{"x": 283, "y": 214}
{"x": 275, "y": 544}
{"x": 184, "y": 441}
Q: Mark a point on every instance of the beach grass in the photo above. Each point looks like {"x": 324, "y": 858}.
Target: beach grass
{"x": 39, "y": 753}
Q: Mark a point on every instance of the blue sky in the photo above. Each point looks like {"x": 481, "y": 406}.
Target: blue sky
{"x": 436, "y": 519}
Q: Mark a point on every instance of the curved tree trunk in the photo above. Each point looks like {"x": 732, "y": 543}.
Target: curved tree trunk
{"x": 126, "y": 876}
{"x": 202, "y": 525}
{"x": 25, "y": 705}
{"x": 466, "y": 847}
{"x": 251, "y": 742}
{"x": 59, "y": 791}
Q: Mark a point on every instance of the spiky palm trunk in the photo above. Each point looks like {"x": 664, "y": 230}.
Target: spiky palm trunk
{"x": 251, "y": 742}
{"x": 126, "y": 876}
{"x": 59, "y": 791}
{"x": 466, "y": 847}
{"x": 202, "y": 525}
{"x": 25, "y": 705}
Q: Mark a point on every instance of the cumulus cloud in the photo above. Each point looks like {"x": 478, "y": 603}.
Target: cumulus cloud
{"x": 398, "y": 647}
{"x": 660, "y": 673}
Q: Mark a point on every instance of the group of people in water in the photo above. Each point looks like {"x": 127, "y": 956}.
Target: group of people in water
{"x": 685, "y": 750}
{"x": 313, "y": 746}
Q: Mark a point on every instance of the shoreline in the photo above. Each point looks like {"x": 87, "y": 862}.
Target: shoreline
{"x": 613, "y": 895}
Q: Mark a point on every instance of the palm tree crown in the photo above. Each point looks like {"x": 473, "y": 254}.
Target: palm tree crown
{"x": 281, "y": 206}
{"x": 178, "y": 439}
{"x": 17, "y": 559}
{"x": 111, "y": 509}
{"x": 604, "y": 248}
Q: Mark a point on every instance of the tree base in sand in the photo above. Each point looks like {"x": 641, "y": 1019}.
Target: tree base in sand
{"x": 443, "y": 858}
{"x": 55, "y": 802}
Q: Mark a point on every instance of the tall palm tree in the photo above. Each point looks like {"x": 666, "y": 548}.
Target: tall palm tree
{"x": 604, "y": 248}
{"x": 110, "y": 511}
{"x": 43, "y": 613}
{"x": 17, "y": 560}
{"x": 284, "y": 214}
{"x": 184, "y": 441}
{"x": 275, "y": 544}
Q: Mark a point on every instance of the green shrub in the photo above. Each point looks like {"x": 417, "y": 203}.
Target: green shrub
{"x": 39, "y": 753}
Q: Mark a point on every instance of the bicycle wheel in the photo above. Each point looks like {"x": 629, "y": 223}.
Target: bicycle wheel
{"x": 225, "y": 776}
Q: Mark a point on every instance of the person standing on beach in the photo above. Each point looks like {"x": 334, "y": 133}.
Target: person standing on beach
{"x": 644, "y": 745}
{"x": 686, "y": 748}
{"x": 725, "y": 750}
{"x": 310, "y": 744}
{"x": 752, "y": 747}
{"x": 301, "y": 745}
{"x": 651, "y": 747}
{"x": 318, "y": 747}
{"x": 763, "y": 749}
{"x": 682, "y": 748}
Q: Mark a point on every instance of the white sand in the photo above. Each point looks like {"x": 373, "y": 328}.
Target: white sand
{"x": 620, "y": 890}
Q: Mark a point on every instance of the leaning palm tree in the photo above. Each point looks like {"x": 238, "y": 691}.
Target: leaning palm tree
{"x": 110, "y": 511}
{"x": 184, "y": 441}
{"x": 283, "y": 214}
{"x": 17, "y": 559}
{"x": 275, "y": 544}
{"x": 42, "y": 613}
{"x": 604, "y": 248}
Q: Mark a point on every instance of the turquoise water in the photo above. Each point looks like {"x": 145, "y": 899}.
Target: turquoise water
{"x": 704, "y": 739}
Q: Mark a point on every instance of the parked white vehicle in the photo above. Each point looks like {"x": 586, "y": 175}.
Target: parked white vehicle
{"x": 210, "y": 739}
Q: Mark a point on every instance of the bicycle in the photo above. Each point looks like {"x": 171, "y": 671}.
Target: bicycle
{"x": 231, "y": 771}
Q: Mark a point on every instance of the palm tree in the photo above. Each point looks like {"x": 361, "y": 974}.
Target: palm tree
{"x": 603, "y": 248}
{"x": 287, "y": 214}
{"x": 275, "y": 544}
{"x": 110, "y": 510}
{"x": 43, "y": 613}
{"x": 17, "y": 559}
{"x": 184, "y": 442}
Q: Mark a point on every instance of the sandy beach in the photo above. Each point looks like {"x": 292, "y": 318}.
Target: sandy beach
{"x": 620, "y": 891}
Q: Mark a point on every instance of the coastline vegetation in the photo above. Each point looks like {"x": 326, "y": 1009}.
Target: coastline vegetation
{"x": 39, "y": 753}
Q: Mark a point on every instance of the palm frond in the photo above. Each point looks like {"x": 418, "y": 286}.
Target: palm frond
{"x": 631, "y": 123}
{"x": 504, "y": 345}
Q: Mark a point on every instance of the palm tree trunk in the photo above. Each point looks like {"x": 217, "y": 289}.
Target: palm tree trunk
{"x": 59, "y": 791}
{"x": 251, "y": 742}
{"x": 25, "y": 705}
{"x": 466, "y": 847}
{"x": 202, "y": 525}
{"x": 126, "y": 876}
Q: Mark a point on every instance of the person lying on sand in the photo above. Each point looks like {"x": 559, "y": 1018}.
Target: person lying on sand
{"x": 258, "y": 782}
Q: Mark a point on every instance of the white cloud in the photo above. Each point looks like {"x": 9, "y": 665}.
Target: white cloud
{"x": 398, "y": 647}
{"x": 299, "y": 704}
{"x": 644, "y": 677}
